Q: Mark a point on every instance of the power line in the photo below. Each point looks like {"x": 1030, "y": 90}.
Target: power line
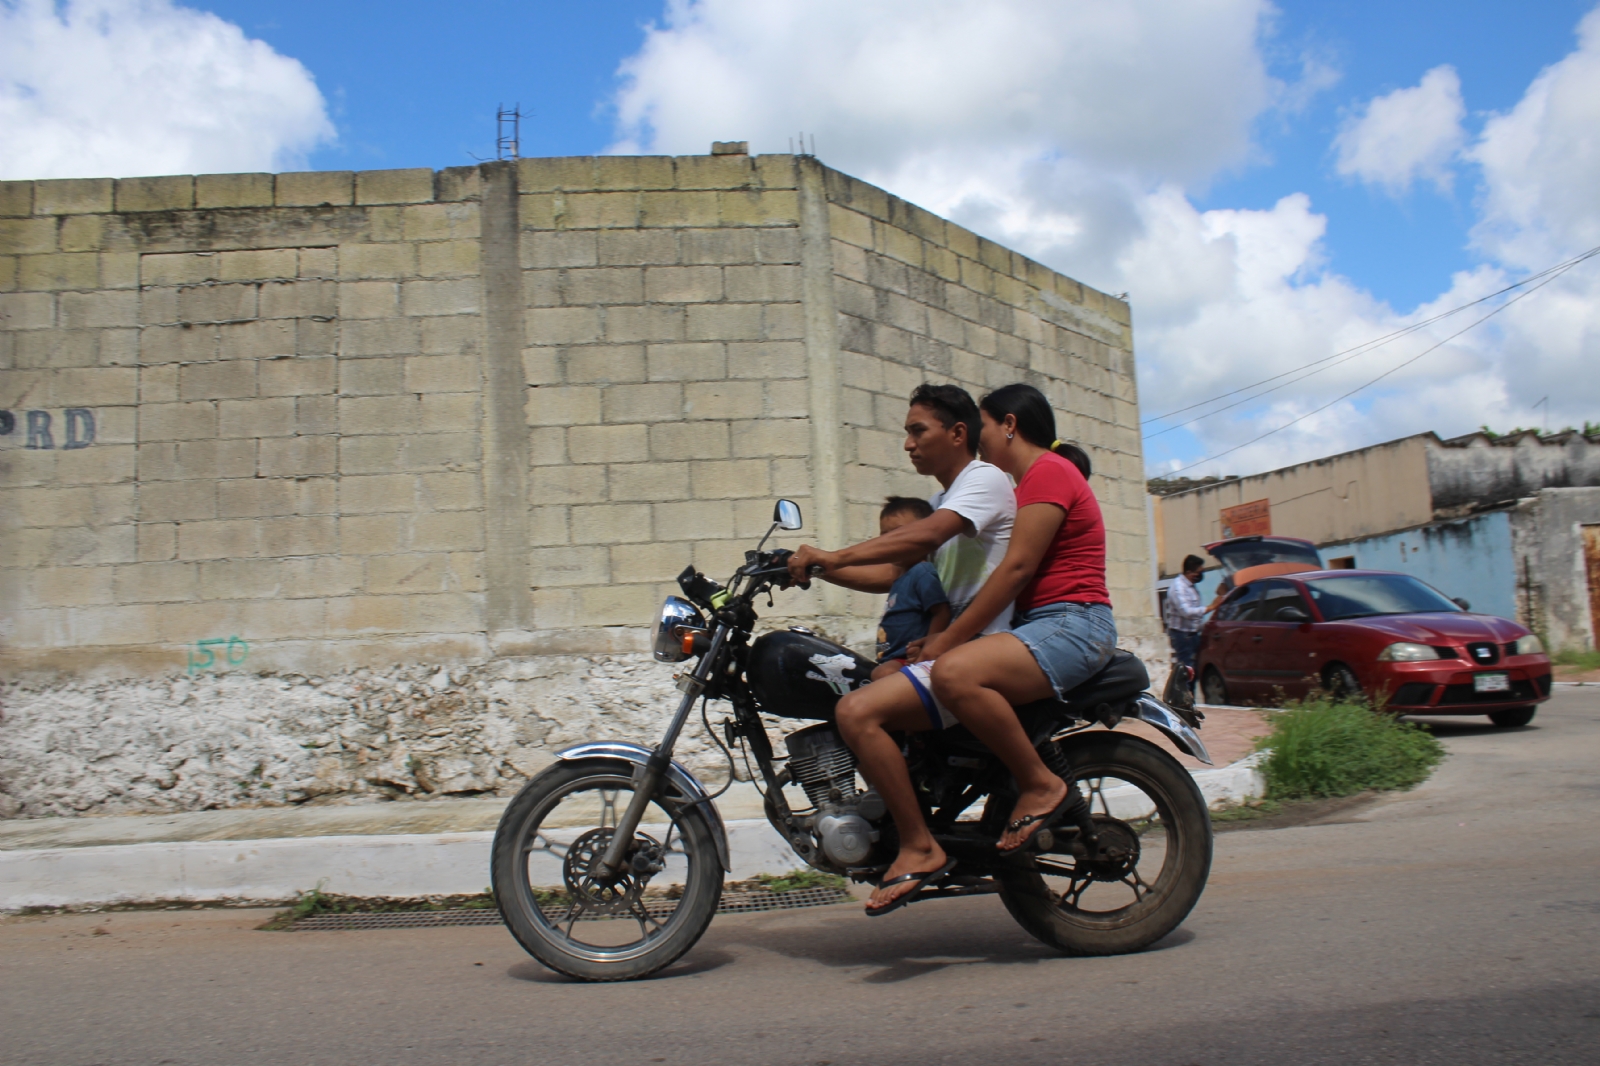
{"x": 1348, "y": 353}
{"x": 1391, "y": 370}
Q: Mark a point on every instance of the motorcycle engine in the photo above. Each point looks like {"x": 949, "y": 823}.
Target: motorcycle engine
{"x": 821, "y": 763}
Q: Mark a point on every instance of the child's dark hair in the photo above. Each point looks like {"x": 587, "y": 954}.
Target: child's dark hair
{"x": 905, "y": 505}
{"x": 952, "y": 404}
{"x": 1035, "y": 421}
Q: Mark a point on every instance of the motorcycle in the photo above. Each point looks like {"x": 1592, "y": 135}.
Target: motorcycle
{"x": 639, "y": 849}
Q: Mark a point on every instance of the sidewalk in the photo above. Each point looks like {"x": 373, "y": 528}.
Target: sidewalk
{"x": 400, "y": 848}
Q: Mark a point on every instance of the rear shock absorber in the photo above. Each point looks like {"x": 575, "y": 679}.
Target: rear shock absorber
{"x": 1078, "y": 809}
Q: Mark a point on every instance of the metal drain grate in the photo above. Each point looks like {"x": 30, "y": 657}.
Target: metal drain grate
{"x": 732, "y": 903}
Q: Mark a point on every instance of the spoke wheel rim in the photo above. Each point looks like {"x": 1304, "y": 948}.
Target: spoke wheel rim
{"x": 557, "y": 924}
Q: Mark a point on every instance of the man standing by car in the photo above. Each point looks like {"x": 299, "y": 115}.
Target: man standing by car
{"x": 1184, "y": 614}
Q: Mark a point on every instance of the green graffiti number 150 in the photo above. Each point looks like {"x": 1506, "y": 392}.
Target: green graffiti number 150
{"x": 201, "y": 656}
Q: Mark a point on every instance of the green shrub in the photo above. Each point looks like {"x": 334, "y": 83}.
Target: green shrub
{"x": 1321, "y": 747}
{"x": 1588, "y": 660}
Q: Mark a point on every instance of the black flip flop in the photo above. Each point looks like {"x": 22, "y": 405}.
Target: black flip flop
{"x": 929, "y": 878}
{"x": 1045, "y": 821}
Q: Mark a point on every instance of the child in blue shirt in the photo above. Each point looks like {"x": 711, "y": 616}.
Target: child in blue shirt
{"x": 917, "y": 606}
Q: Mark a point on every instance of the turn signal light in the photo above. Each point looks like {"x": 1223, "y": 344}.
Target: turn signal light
{"x": 688, "y": 642}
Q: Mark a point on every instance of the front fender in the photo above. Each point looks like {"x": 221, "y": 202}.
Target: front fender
{"x": 1149, "y": 709}
{"x": 677, "y": 776}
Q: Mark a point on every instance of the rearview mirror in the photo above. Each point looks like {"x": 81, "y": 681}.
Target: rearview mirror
{"x": 1291, "y": 613}
{"x": 786, "y": 514}
{"x": 1461, "y": 603}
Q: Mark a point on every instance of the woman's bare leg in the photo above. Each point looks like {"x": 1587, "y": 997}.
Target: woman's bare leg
{"x": 865, "y": 717}
{"x": 979, "y": 682}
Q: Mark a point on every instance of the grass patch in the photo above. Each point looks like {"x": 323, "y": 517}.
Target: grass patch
{"x": 1322, "y": 747}
{"x": 1248, "y": 812}
{"x": 316, "y": 902}
{"x": 1583, "y": 660}
{"x": 798, "y": 879}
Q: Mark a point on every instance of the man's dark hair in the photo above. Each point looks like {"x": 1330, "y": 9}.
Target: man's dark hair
{"x": 1193, "y": 562}
{"x": 906, "y": 505}
{"x": 1035, "y": 421}
{"x": 951, "y": 404}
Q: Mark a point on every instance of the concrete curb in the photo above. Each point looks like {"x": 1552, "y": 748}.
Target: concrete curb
{"x": 399, "y": 865}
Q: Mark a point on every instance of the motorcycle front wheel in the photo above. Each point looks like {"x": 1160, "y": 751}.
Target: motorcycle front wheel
{"x": 603, "y": 929}
{"x": 1151, "y": 864}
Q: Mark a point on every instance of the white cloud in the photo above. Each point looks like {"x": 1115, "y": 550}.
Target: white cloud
{"x": 1407, "y": 135}
{"x": 1076, "y": 133}
{"x": 114, "y": 88}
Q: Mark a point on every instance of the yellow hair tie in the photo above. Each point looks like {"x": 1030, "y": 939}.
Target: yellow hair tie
{"x": 1054, "y": 445}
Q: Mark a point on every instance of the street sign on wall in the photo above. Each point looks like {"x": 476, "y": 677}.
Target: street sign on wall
{"x": 1247, "y": 520}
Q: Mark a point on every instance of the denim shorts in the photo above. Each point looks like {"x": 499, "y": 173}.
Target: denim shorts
{"x": 1069, "y": 641}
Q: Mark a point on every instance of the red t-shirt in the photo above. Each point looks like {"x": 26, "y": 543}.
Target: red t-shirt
{"x": 1074, "y": 566}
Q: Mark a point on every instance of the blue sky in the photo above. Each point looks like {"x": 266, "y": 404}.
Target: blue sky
{"x": 1246, "y": 171}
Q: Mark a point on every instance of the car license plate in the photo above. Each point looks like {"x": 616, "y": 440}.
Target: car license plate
{"x": 1491, "y": 682}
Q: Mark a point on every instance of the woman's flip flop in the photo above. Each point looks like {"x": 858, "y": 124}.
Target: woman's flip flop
{"x": 929, "y": 878}
{"x": 1044, "y": 821}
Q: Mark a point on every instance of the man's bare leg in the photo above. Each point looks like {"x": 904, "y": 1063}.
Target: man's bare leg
{"x": 981, "y": 682}
{"x": 865, "y": 717}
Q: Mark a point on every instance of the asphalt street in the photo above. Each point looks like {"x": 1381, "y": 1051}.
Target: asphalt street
{"x": 1458, "y": 923}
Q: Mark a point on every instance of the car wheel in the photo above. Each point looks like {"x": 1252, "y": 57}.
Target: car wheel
{"x": 1513, "y": 717}
{"x": 1213, "y": 687}
{"x": 1341, "y": 683}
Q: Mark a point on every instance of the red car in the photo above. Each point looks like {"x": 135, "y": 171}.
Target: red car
{"x": 1374, "y": 632}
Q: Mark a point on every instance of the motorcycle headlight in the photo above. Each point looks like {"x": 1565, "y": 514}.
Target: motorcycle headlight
{"x": 1406, "y": 653}
{"x": 676, "y": 615}
{"x": 1530, "y": 645}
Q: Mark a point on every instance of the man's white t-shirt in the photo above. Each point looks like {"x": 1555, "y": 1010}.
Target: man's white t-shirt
{"x": 983, "y": 495}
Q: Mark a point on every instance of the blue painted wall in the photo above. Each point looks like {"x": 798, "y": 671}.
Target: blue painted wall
{"x": 1469, "y": 558}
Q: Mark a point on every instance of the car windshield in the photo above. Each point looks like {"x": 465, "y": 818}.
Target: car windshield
{"x": 1368, "y": 594}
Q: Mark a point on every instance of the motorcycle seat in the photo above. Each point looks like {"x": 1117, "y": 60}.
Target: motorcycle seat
{"x": 1120, "y": 680}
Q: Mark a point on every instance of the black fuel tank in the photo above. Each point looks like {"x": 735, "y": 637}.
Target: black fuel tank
{"x": 800, "y": 675}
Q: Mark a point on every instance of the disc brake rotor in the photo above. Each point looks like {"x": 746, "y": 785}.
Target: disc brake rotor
{"x": 614, "y": 894}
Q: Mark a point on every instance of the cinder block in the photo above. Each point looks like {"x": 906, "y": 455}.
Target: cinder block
{"x": 759, "y": 207}
{"x": 357, "y": 261}
{"x": 241, "y": 579}
{"x": 316, "y": 414}
{"x": 296, "y": 376}
{"x": 299, "y": 535}
{"x": 778, "y": 245}
{"x": 608, "y": 444}
{"x": 59, "y": 270}
{"x": 692, "y": 520}
{"x": 102, "y": 464}
{"x": 72, "y": 196}
{"x": 547, "y": 526}
{"x": 314, "y": 189}
{"x": 726, "y": 322}
{"x": 394, "y": 336}
{"x": 603, "y": 285}
{"x": 299, "y": 299}
{"x": 649, "y": 562}
{"x": 651, "y": 323}
{"x": 649, "y": 481}
{"x": 448, "y": 413}
{"x": 8, "y": 273}
{"x": 158, "y": 307}
{"x": 319, "y": 262}
{"x": 214, "y": 381}
{"x": 70, "y": 586}
{"x": 447, "y": 531}
{"x": 605, "y": 364}
{"x": 217, "y": 303}
{"x": 447, "y": 259}
{"x": 111, "y": 625}
{"x": 257, "y": 265}
{"x": 233, "y": 539}
{"x": 157, "y": 541}
{"x": 385, "y": 223}
{"x": 93, "y": 311}
{"x": 369, "y": 454}
{"x": 717, "y": 246}
{"x": 388, "y": 574}
{"x": 562, "y": 325}
{"x": 729, "y": 479}
{"x": 177, "y": 421}
{"x": 155, "y": 194}
{"x": 560, "y": 172}
{"x": 543, "y": 366}
{"x": 451, "y": 336}
{"x": 459, "y": 183}
{"x": 715, "y": 171}
{"x": 413, "y": 186}
{"x": 542, "y": 288}
{"x": 763, "y": 283}
{"x": 724, "y": 400}
{"x": 556, "y": 405}
{"x": 27, "y": 310}
{"x": 256, "y": 340}
{"x": 688, "y": 362}
{"x": 119, "y": 270}
{"x": 767, "y": 359}
{"x": 232, "y": 190}
{"x": 266, "y": 417}
{"x": 783, "y": 322}
{"x": 616, "y": 523}
{"x": 441, "y": 222}
{"x": 850, "y": 226}
{"x": 377, "y": 493}
{"x": 632, "y": 248}
{"x": 442, "y": 373}
{"x": 450, "y": 491}
{"x": 92, "y": 387}
{"x": 597, "y": 210}
{"x": 616, "y": 605}
{"x": 27, "y": 236}
{"x": 568, "y": 566}
{"x": 460, "y": 297}
{"x": 633, "y": 172}
{"x": 769, "y": 437}
{"x": 325, "y": 576}
{"x": 678, "y": 209}
{"x": 693, "y": 284}
{"x": 643, "y": 403}
{"x": 297, "y": 456}
{"x": 16, "y": 199}
{"x": 378, "y": 414}
{"x": 567, "y": 484}
{"x": 180, "y": 268}
{"x": 792, "y": 399}
{"x": 374, "y": 534}
{"x": 689, "y": 440}
{"x": 257, "y": 497}
{"x": 543, "y": 250}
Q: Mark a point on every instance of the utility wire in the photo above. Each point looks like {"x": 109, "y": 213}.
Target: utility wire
{"x": 1350, "y": 353}
{"x": 1393, "y": 369}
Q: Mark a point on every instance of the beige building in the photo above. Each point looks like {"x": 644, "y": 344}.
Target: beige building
{"x": 279, "y": 427}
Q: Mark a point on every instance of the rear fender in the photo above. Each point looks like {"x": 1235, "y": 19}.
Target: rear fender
{"x": 1149, "y": 709}
{"x": 679, "y": 778}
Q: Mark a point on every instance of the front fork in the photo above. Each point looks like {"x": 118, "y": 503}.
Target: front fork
{"x": 648, "y": 780}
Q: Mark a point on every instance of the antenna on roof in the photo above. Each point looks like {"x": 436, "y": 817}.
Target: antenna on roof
{"x": 508, "y": 132}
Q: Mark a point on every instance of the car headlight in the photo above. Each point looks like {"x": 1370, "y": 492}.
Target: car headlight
{"x": 1530, "y": 645}
{"x": 676, "y": 615}
{"x": 1406, "y": 653}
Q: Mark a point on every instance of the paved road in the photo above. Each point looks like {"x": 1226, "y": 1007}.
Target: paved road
{"x": 1456, "y": 924}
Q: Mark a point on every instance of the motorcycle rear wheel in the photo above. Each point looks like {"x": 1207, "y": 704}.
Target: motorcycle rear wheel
{"x": 580, "y": 931}
{"x": 1180, "y": 826}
